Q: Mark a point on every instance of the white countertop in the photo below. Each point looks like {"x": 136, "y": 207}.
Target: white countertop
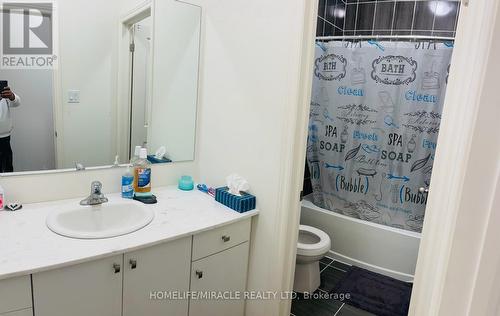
{"x": 28, "y": 246}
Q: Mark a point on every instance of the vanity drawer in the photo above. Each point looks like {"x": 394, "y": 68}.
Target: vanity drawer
{"x": 15, "y": 294}
{"x": 216, "y": 240}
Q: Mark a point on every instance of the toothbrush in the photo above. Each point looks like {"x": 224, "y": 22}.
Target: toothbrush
{"x": 203, "y": 188}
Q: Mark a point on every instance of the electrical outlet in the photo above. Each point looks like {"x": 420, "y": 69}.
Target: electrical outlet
{"x": 73, "y": 96}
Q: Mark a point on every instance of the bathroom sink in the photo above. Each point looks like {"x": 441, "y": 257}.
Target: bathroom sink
{"x": 100, "y": 221}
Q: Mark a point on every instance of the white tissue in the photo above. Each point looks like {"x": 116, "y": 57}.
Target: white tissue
{"x": 236, "y": 184}
{"x": 160, "y": 153}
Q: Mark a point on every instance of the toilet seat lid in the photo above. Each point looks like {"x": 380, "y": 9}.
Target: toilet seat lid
{"x": 313, "y": 249}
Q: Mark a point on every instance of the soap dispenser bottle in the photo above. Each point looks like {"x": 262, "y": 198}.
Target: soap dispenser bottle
{"x": 128, "y": 184}
{"x": 142, "y": 175}
{"x": 137, "y": 152}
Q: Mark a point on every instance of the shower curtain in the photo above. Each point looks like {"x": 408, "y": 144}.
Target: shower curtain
{"x": 374, "y": 121}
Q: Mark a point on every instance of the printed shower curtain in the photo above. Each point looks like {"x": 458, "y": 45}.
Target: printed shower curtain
{"x": 375, "y": 116}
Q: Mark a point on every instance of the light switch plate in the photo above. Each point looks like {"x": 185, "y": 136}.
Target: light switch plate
{"x": 73, "y": 96}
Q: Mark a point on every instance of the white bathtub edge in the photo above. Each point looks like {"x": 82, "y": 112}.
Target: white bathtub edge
{"x": 353, "y": 262}
{"x": 306, "y": 202}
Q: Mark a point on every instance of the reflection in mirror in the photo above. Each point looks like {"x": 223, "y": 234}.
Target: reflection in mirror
{"x": 140, "y": 50}
{"x": 129, "y": 78}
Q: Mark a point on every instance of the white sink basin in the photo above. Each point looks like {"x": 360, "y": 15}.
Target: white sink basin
{"x": 102, "y": 221}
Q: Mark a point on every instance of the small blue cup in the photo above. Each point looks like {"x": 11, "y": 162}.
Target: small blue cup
{"x": 186, "y": 183}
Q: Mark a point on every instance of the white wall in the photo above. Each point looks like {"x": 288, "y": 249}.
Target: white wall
{"x": 175, "y": 79}
{"x": 32, "y": 139}
{"x": 251, "y": 57}
{"x": 88, "y": 54}
{"x": 88, "y": 49}
{"x": 486, "y": 296}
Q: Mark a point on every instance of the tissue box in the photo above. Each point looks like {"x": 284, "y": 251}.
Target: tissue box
{"x": 152, "y": 159}
{"x": 244, "y": 203}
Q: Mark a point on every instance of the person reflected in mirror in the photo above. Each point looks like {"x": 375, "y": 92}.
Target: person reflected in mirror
{"x": 8, "y": 100}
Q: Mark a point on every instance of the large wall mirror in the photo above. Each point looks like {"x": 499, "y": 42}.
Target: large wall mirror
{"x": 125, "y": 74}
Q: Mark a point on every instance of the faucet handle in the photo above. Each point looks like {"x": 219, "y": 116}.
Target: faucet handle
{"x": 96, "y": 187}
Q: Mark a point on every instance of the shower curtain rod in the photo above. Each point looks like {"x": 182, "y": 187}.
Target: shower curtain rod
{"x": 376, "y": 37}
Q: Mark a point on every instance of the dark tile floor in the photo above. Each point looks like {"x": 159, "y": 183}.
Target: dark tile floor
{"x": 320, "y": 305}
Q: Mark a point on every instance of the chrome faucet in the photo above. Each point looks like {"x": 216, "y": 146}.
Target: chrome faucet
{"x": 96, "y": 197}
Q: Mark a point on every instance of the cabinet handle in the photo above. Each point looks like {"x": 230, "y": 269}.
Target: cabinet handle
{"x": 226, "y": 238}
{"x": 133, "y": 264}
{"x": 199, "y": 274}
{"x": 117, "y": 267}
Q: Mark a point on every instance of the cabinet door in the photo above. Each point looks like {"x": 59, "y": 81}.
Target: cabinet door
{"x": 24, "y": 312}
{"x": 222, "y": 272}
{"x": 154, "y": 273}
{"x": 92, "y": 288}
{"x": 15, "y": 294}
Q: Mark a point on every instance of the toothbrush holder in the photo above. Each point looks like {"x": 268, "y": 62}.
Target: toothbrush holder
{"x": 241, "y": 204}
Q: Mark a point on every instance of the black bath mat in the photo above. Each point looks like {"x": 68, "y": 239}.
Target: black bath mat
{"x": 375, "y": 293}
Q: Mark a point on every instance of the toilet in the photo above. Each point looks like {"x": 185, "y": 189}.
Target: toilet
{"x": 312, "y": 246}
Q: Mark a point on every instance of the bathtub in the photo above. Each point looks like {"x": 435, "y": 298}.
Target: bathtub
{"x": 378, "y": 248}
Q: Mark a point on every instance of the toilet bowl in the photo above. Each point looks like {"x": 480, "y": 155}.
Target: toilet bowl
{"x": 313, "y": 244}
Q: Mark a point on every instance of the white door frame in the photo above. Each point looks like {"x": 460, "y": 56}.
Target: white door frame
{"x": 465, "y": 172}
{"x": 57, "y": 105}
{"x": 443, "y": 237}
{"x": 292, "y": 170}
{"x": 124, "y": 76}
{"x": 57, "y": 98}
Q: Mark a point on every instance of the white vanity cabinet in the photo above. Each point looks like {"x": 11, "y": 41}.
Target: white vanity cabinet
{"x": 91, "y": 288}
{"x": 221, "y": 269}
{"x": 158, "y": 280}
{"x": 151, "y": 273}
{"x": 103, "y": 287}
{"x": 15, "y": 297}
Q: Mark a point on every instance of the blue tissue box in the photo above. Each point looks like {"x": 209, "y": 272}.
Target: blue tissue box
{"x": 244, "y": 203}
{"x": 152, "y": 159}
